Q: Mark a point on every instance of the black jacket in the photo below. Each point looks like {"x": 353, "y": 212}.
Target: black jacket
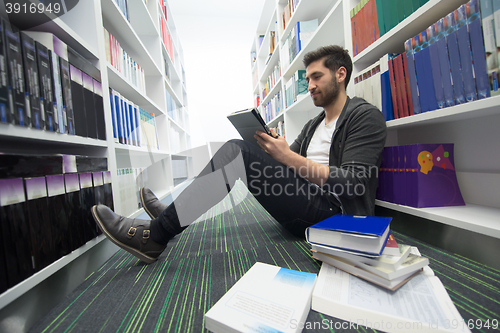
{"x": 355, "y": 154}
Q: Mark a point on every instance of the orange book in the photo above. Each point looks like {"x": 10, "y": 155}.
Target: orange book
{"x": 402, "y": 84}
{"x": 369, "y": 22}
{"x": 408, "y": 87}
{"x": 353, "y": 33}
{"x": 397, "y": 77}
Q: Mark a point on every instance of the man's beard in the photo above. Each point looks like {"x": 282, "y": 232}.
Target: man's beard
{"x": 329, "y": 94}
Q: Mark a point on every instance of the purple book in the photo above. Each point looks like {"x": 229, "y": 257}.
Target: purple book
{"x": 401, "y": 175}
{"x": 436, "y": 182}
{"x": 411, "y": 175}
{"x": 396, "y": 190}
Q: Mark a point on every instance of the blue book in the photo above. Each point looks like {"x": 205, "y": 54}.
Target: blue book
{"x": 478, "y": 50}
{"x": 444, "y": 63}
{"x": 303, "y": 33}
{"x": 465, "y": 54}
{"x": 126, "y": 133}
{"x": 130, "y": 110}
{"x": 385, "y": 85}
{"x": 422, "y": 57}
{"x": 362, "y": 234}
{"x": 137, "y": 126}
{"x": 453, "y": 52}
{"x": 113, "y": 114}
{"x": 118, "y": 115}
{"x": 435, "y": 66}
{"x": 410, "y": 61}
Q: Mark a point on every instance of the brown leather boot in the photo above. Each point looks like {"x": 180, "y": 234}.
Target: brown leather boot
{"x": 132, "y": 235}
{"x": 152, "y": 206}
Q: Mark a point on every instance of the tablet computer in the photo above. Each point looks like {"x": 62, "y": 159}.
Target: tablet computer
{"x": 247, "y": 122}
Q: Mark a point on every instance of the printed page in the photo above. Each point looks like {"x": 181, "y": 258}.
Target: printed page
{"x": 423, "y": 299}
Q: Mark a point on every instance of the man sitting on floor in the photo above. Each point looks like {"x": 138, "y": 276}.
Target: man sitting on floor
{"x": 330, "y": 168}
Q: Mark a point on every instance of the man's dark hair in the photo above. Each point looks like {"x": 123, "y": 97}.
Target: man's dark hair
{"x": 334, "y": 57}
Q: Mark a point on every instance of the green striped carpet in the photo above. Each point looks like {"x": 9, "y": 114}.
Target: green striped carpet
{"x": 201, "y": 264}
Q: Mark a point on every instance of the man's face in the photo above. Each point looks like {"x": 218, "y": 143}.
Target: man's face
{"x": 323, "y": 86}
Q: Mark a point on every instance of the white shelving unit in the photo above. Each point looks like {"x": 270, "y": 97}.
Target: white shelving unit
{"x": 472, "y": 127}
{"x": 82, "y": 30}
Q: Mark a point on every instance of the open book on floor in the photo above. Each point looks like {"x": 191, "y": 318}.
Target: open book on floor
{"x": 421, "y": 305}
{"x": 247, "y": 122}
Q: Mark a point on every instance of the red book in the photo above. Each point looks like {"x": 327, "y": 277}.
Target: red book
{"x": 401, "y": 86}
{"x": 391, "y": 247}
{"x": 353, "y": 32}
{"x": 375, "y": 19}
{"x": 393, "y": 90}
{"x": 369, "y": 23}
{"x": 408, "y": 87}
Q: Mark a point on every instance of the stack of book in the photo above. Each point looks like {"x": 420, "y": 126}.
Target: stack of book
{"x": 363, "y": 246}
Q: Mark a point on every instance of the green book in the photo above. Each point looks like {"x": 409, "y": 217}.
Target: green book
{"x": 380, "y": 17}
{"x": 416, "y": 4}
{"x": 408, "y": 5}
{"x": 400, "y": 11}
{"x": 393, "y": 8}
{"x": 386, "y": 4}
{"x": 423, "y": 2}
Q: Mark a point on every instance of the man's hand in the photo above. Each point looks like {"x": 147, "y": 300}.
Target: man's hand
{"x": 278, "y": 148}
{"x": 275, "y": 145}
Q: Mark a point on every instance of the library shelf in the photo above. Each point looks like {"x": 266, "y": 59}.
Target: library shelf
{"x": 263, "y": 51}
{"x": 273, "y": 91}
{"x": 275, "y": 120}
{"x": 476, "y": 109}
{"x": 116, "y": 23}
{"x": 480, "y": 219}
{"x": 17, "y": 133}
{"x": 418, "y": 21}
{"x": 273, "y": 61}
{"x": 119, "y": 83}
{"x": 322, "y": 36}
{"x": 26, "y": 285}
{"x": 141, "y": 20}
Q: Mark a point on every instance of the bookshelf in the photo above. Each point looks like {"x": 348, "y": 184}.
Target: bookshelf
{"x": 471, "y": 126}
{"x": 82, "y": 29}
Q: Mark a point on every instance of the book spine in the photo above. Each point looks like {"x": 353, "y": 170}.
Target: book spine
{"x": 407, "y": 85}
{"x": 488, "y": 25}
{"x": 435, "y": 65}
{"x": 402, "y": 85}
{"x": 444, "y": 63}
{"x": 67, "y": 97}
{"x": 45, "y": 83}
{"x": 32, "y": 89}
{"x": 477, "y": 47}
{"x": 385, "y": 85}
{"x": 412, "y": 76}
{"x": 393, "y": 89}
{"x": 465, "y": 54}
{"x": 5, "y": 111}
{"x": 380, "y": 17}
{"x": 397, "y": 79}
{"x": 454, "y": 54}
{"x": 17, "y": 98}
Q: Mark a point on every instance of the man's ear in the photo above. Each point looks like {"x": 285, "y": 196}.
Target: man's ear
{"x": 341, "y": 74}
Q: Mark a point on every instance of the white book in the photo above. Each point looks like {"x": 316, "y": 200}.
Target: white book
{"x": 412, "y": 264}
{"x": 386, "y": 261}
{"x": 266, "y": 299}
{"x": 346, "y": 266}
{"x": 421, "y": 305}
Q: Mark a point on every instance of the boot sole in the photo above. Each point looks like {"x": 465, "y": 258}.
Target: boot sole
{"x": 127, "y": 248}
{"x": 144, "y": 206}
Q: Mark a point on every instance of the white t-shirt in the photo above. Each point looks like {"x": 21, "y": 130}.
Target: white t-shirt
{"x": 319, "y": 147}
